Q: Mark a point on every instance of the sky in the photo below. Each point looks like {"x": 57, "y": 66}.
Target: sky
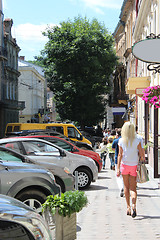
{"x": 31, "y": 18}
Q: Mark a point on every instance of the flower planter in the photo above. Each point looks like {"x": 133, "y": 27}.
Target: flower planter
{"x": 62, "y": 228}
{"x": 60, "y": 213}
{"x": 151, "y": 95}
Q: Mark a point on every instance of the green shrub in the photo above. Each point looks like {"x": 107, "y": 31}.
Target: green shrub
{"x": 68, "y": 203}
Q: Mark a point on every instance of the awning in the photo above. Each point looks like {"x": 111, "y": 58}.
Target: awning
{"x": 137, "y": 83}
{"x": 118, "y": 110}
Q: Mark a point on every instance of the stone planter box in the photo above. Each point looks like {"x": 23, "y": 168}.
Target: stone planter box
{"x": 62, "y": 228}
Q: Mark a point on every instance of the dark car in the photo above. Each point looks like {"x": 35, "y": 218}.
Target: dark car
{"x": 18, "y": 221}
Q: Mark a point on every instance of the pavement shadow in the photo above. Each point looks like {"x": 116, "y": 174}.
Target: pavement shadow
{"x": 143, "y": 217}
{"x": 99, "y": 177}
{"x": 147, "y": 188}
{"x": 104, "y": 171}
{"x": 147, "y": 195}
{"x": 95, "y": 188}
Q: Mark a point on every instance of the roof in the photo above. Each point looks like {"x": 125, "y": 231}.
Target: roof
{"x": 23, "y": 63}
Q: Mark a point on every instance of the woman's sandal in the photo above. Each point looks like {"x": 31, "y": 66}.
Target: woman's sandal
{"x": 134, "y": 214}
{"x": 129, "y": 211}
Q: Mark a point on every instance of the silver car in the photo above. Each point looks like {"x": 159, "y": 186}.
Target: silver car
{"x": 62, "y": 175}
{"x": 18, "y": 221}
{"x": 27, "y": 182}
{"x": 43, "y": 151}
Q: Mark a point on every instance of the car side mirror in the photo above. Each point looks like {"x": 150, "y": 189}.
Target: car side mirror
{"x": 62, "y": 153}
{"x": 73, "y": 149}
{"x": 80, "y": 137}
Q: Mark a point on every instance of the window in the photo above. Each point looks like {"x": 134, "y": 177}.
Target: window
{"x": 60, "y": 143}
{"x": 55, "y": 128}
{"x": 73, "y": 133}
{"x": 9, "y": 156}
{"x": 9, "y": 129}
{"x": 7, "y": 90}
{"x": 14, "y": 146}
{"x": 16, "y": 129}
{"x": 39, "y": 148}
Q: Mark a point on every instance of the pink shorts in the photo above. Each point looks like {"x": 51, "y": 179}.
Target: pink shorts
{"x": 131, "y": 170}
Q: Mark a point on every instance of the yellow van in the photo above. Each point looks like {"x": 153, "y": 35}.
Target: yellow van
{"x": 69, "y": 130}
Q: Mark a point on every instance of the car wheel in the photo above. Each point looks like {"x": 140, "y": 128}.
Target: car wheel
{"x": 60, "y": 183}
{"x": 84, "y": 178}
{"x": 32, "y": 198}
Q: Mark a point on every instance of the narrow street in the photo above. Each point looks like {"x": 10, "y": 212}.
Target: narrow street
{"x": 105, "y": 216}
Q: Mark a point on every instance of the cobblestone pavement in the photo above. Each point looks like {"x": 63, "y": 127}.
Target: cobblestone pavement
{"x": 105, "y": 216}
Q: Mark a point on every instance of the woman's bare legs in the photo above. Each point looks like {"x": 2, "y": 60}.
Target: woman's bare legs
{"x": 126, "y": 189}
{"x": 133, "y": 190}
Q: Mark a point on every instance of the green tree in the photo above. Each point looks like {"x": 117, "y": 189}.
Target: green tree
{"x": 79, "y": 59}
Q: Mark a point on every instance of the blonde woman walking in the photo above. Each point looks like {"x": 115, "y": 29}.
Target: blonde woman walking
{"x": 127, "y": 163}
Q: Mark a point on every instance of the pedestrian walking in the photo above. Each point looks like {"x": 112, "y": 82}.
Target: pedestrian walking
{"x": 141, "y": 140}
{"x": 111, "y": 152}
{"x": 127, "y": 163}
{"x": 115, "y": 147}
{"x": 103, "y": 149}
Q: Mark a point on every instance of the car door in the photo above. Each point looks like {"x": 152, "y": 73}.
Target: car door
{"x": 43, "y": 152}
{"x": 7, "y": 178}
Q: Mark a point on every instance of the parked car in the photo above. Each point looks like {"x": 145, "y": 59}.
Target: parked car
{"x": 18, "y": 221}
{"x": 63, "y": 177}
{"x": 27, "y": 182}
{"x": 49, "y": 132}
{"x": 68, "y": 146}
{"x": 42, "y": 151}
{"x": 68, "y": 129}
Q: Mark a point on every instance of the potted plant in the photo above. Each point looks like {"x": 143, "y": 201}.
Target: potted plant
{"x": 61, "y": 211}
{"x": 151, "y": 95}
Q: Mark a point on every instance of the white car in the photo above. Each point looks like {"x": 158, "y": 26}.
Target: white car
{"x": 43, "y": 151}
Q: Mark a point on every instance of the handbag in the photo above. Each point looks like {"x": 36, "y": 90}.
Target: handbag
{"x": 142, "y": 173}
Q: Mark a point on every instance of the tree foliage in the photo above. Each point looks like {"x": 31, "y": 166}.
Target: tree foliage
{"x": 79, "y": 59}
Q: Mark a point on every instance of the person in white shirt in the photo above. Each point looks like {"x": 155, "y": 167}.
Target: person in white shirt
{"x": 127, "y": 163}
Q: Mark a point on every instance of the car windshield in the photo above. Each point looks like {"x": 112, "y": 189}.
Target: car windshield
{"x": 60, "y": 143}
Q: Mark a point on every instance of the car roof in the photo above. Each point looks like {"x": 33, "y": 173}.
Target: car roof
{"x": 18, "y": 139}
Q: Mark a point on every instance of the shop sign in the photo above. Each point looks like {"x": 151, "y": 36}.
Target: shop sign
{"x": 147, "y": 50}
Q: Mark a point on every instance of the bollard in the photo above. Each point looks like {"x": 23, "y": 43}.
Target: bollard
{"x": 76, "y": 180}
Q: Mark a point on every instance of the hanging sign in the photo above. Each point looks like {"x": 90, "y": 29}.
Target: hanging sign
{"x": 147, "y": 50}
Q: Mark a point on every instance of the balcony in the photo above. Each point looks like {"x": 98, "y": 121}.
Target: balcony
{"x": 3, "y": 53}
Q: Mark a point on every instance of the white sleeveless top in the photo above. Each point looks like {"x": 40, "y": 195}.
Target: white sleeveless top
{"x": 130, "y": 153}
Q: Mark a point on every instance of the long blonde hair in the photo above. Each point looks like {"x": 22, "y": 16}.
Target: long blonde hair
{"x": 128, "y": 133}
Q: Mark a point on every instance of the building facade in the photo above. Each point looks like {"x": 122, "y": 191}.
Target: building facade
{"x": 8, "y": 74}
{"x": 51, "y": 114}
{"x": 138, "y": 20}
{"x": 31, "y": 92}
